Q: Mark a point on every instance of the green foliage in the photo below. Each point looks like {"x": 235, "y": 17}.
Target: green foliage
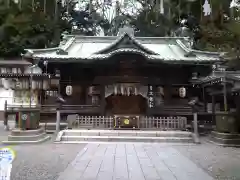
{"x": 26, "y": 27}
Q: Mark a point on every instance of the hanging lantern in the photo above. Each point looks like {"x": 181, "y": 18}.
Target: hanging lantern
{"x": 69, "y": 90}
{"x": 34, "y": 85}
{"x": 45, "y": 84}
{"x": 6, "y": 83}
{"x": 182, "y": 92}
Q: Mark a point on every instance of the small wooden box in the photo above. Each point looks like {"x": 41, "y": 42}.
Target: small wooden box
{"x": 126, "y": 121}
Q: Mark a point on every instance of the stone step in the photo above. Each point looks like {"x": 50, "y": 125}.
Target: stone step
{"x": 19, "y": 132}
{"x": 124, "y": 133}
{"x": 76, "y": 136}
{"x": 8, "y": 142}
{"x": 50, "y": 127}
{"x": 225, "y": 142}
{"x": 225, "y": 135}
{"x": 26, "y": 138}
{"x": 125, "y": 139}
{"x": 225, "y": 139}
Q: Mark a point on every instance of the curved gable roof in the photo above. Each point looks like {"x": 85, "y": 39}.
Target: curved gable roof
{"x": 125, "y": 41}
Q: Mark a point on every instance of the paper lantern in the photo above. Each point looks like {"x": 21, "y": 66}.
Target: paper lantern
{"x": 69, "y": 90}
{"x": 182, "y": 92}
{"x": 45, "y": 84}
{"x": 6, "y": 83}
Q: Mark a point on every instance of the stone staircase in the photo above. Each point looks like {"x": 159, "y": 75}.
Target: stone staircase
{"x": 78, "y": 136}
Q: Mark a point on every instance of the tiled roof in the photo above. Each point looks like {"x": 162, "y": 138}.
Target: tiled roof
{"x": 85, "y": 48}
{"x": 14, "y": 62}
{"x": 218, "y": 76}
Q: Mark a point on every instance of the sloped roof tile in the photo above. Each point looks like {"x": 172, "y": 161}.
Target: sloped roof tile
{"x": 172, "y": 49}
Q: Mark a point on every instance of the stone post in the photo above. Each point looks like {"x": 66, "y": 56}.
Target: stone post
{"x": 6, "y": 126}
{"x": 58, "y": 118}
{"x": 195, "y": 127}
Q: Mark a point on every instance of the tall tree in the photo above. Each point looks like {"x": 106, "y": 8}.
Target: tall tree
{"x": 27, "y": 26}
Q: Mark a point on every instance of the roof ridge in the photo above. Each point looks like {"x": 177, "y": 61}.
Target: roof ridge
{"x": 120, "y": 38}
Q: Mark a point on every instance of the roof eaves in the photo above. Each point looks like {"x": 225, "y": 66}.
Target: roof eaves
{"x": 154, "y": 58}
{"x": 68, "y": 44}
{"x": 188, "y": 50}
{"x": 42, "y": 50}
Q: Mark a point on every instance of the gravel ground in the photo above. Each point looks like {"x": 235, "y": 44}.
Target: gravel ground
{"x": 42, "y": 161}
{"x": 223, "y": 163}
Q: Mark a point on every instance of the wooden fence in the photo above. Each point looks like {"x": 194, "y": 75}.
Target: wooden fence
{"x": 108, "y": 122}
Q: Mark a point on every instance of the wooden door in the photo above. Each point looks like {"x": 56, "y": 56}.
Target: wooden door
{"x": 120, "y": 104}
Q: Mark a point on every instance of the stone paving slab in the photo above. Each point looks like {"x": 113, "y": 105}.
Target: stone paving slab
{"x": 132, "y": 162}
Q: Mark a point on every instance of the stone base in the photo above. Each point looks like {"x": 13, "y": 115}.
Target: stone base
{"x": 18, "y": 136}
{"x": 50, "y": 127}
{"x": 77, "y": 136}
{"x": 225, "y": 139}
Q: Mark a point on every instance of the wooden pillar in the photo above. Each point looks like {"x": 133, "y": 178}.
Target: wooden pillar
{"x": 225, "y": 95}
{"x": 86, "y": 95}
{"x": 213, "y": 108}
{"x": 102, "y": 99}
{"x": 58, "y": 118}
{"x": 167, "y": 93}
{"x": 6, "y": 126}
{"x": 195, "y": 127}
{"x": 204, "y": 99}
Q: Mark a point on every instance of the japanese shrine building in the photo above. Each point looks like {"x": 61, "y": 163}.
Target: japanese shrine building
{"x": 124, "y": 74}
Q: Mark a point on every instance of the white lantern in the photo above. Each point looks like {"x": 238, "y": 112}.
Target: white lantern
{"x": 182, "y": 92}
{"x": 6, "y": 83}
{"x": 45, "y": 84}
{"x": 34, "y": 85}
{"x": 69, "y": 90}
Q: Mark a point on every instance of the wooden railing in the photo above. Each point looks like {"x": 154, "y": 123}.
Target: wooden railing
{"x": 108, "y": 122}
{"x": 163, "y": 123}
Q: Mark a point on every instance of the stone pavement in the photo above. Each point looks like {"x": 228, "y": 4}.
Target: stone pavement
{"x": 132, "y": 161}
